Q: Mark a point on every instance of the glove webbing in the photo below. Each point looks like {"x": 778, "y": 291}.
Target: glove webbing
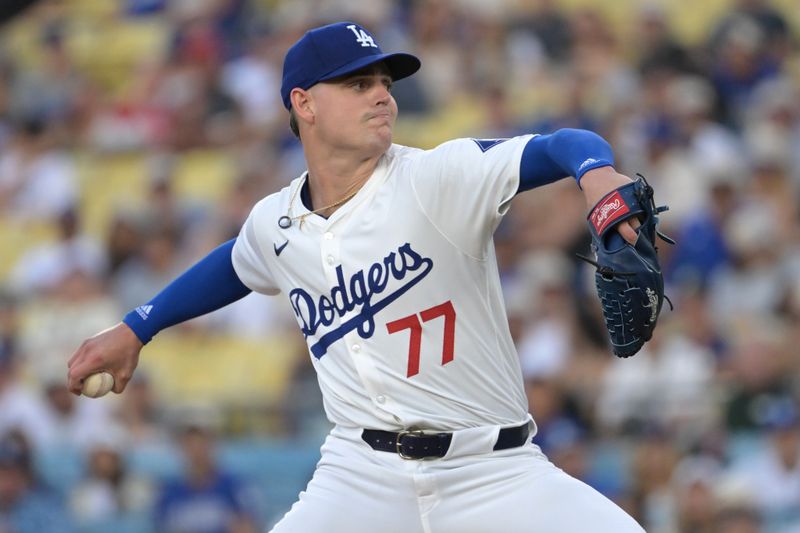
{"x": 609, "y": 273}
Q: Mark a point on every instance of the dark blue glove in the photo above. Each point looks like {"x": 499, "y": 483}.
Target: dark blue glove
{"x": 628, "y": 278}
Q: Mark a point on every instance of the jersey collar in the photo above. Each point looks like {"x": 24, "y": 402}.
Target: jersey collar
{"x": 378, "y": 176}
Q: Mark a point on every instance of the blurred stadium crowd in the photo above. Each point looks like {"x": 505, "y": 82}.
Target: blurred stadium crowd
{"x": 135, "y": 135}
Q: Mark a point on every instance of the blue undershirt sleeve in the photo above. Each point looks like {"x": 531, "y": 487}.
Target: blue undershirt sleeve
{"x": 209, "y": 285}
{"x": 567, "y": 152}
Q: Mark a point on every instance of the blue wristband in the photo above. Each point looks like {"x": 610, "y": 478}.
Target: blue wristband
{"x": 209, "y": 285}
{"x": 567, "y": 152}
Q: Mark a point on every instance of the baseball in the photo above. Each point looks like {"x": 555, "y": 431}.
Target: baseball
{"x": 98, "y": 385}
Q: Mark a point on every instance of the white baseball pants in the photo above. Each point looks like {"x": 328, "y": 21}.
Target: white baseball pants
{"x": 473, "y": 489}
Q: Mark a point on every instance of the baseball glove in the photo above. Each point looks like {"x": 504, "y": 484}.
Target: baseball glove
{"x": 628, "y": 277}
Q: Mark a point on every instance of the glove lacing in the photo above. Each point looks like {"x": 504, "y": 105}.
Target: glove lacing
{"x": 609, "y": 273}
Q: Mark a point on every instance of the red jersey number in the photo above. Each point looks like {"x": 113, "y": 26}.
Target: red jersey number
{"x": 413, "y": 323}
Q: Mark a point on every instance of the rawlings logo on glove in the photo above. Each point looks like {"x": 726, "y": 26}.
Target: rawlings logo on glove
{"x": 628, "y": 278}
{"x": 610, "y": 209}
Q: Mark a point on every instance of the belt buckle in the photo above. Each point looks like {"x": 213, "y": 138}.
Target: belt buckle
{"x": 399, "y": 444}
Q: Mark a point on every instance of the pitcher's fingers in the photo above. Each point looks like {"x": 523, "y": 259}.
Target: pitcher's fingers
{"x": 628, "y": 233}
{"x": 74, "y": 384}
{"x": 121, "y": 380}
{"x": 78, "y": 372}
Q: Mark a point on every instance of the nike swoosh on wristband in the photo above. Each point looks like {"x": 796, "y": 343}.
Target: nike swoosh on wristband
{"x": 279, "y": 249}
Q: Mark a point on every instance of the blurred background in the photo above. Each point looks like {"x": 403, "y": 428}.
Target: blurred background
{"x": 135, "y": 135}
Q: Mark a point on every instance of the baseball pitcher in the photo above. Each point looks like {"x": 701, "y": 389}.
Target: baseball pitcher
{"x": 386, "y": 255}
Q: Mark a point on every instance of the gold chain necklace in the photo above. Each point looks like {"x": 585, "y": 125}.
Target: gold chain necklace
{"x": 286, "y": 220}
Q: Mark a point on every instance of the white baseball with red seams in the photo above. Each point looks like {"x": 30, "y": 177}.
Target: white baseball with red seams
{"x": 399, "y": 298}
{"x": 98, "y": 385}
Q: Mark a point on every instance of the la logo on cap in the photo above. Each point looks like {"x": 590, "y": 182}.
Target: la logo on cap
{"x": 327, "y": 52}
{"x": 362, "y": 37}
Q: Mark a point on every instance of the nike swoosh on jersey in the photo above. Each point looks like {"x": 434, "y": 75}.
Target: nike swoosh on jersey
{"x": 279, "y": 249}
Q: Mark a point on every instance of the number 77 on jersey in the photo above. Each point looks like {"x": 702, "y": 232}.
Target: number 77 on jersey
{"x": 414, "y": 324}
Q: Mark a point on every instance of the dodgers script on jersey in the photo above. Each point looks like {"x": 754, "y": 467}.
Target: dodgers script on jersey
{"x": 397, "y": 293}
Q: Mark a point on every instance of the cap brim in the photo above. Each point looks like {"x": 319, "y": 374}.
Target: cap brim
{"x": 400, "y": 64}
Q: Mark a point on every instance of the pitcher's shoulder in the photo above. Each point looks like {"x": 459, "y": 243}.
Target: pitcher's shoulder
{"x": 400, "y": 152}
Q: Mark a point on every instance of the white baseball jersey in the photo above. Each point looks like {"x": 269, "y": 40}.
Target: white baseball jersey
{"x": 399, "y": 298}
{"x": 398, "y": 293}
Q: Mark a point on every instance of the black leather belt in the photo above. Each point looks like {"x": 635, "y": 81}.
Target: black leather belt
{"x": 414, "y": 444}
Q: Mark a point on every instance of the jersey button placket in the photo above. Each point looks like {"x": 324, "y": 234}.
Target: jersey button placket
{"x": 329, "y": 253}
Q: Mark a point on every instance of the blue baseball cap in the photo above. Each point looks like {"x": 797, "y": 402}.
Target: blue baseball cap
{"x": 334, "y": 50}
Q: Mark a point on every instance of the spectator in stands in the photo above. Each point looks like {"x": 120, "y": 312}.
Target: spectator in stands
{"x": 702, "y": 248}
{"x": 703, "y": 151}
{"x": 739, "y": 64}
{"x": 123, "y": 240}
{"x": 37, "y": 180}
{"x": 53, "y": 90}
{"x": 760, "y": 366}
{"x": 43, "y": 268}
{"x": 657, "y": 49}
{"x": 206, "y": 498}
{"x": 436, "y": 28}
{"x": 139, "y": 413}
{"x": 165, "y": 209}
{"x": 9, "y": 326}
{"x": 738, "y": 520}
{"x": 550, "y": 26}
{"x": 653, "y": 461}
{"x": 25, "y": 506}
{"x": 752, "y": 284}
{"x": 245, "y": 78}
{"x": 735, "y": 508}
{"x": 770, "y": 21}
{"x": 694, "y": 480}
{"x": 21, "y": 408}
{"x": 697, "y": 324}
{"x": 546, "y": 343}
{"x": 773, "y": 473}
{"x": 666, "y": 384}
{"x": 202, "y": 113}
{"x": 110, "y": 497}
